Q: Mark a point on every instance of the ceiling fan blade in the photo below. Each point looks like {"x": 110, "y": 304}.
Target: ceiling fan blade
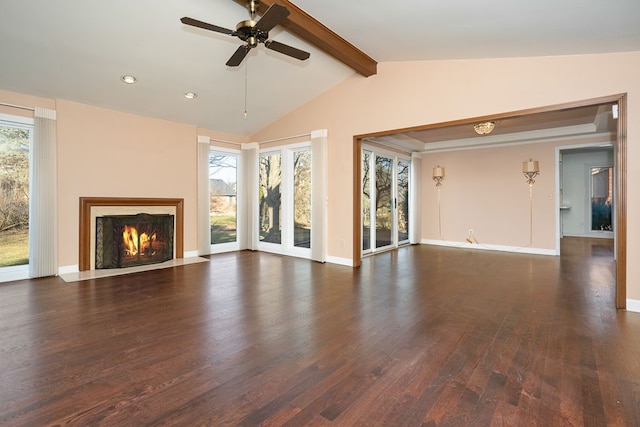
{"x": 205, "y": 26}
{"x": 272, "y": 17}
{"x": 287, "y": 50}
{"x": 238, "y": 56}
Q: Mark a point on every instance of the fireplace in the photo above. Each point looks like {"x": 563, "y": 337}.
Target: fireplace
{"x": 132, "y": 240}
{"x": 118, "y": 232}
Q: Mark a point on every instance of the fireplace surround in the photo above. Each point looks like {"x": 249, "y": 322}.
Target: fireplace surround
{"x": 91, "y": 207}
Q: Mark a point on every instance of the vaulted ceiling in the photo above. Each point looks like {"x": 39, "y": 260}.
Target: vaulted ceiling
{"x": 78, "y": 50}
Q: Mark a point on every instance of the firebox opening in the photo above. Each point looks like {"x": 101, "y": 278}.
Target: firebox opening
{"x": 132, "y": 240}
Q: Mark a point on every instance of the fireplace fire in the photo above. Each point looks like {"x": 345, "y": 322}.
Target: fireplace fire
{"x": 132, "y": 240}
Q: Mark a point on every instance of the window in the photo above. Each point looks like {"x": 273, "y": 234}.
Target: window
{"x": 284, "y": 200}
{"x": 601, "y": 198}
{"x": 15, "y": 140}
{"x": 385, "y": 200}
{"x": 223, "y": 197}
{"x": 270, "y": 198}
{"x": 302, "y": 198}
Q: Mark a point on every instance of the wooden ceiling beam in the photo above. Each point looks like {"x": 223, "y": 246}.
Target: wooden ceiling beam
{"x": 312, "y": 31}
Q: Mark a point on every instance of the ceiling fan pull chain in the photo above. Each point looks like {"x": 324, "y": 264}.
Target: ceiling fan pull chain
{"x": 246, "y": 72}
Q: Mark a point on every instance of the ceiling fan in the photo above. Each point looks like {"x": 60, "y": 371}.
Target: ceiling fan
{"x": 254, "y": 32}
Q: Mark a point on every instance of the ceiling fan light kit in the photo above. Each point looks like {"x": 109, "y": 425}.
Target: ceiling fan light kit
{"x": 253, "y": 32}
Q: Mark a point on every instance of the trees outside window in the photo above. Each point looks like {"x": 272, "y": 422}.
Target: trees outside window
{"x": 270, "y": 198}
{"x": 223, "y": 198}
{"x": 302, "y": 198}
{"x": 14, "y": 195}
{"x": 284, "y": 200}
{"x": 385, "y": 199}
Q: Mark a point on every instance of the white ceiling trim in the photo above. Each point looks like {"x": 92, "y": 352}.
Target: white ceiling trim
{"x": 519, "y": 138}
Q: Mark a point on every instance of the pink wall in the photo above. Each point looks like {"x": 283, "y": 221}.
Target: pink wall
{"x": 484, "y": 189}
{"x": 400, "y": 95}
{"x": 417, "y": 93}
{"x": 109, "y": 153}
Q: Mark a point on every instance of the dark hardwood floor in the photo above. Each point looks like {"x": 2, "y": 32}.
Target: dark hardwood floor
{"x": 420, "y": 336}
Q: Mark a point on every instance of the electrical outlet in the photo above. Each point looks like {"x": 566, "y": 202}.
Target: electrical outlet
{"x": 471, "y": 232}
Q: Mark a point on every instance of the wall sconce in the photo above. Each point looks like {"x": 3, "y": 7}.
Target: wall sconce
{"x": 438, "y": 176}
{"x": 530, "y": 170}
{"x": 484, "y": 128}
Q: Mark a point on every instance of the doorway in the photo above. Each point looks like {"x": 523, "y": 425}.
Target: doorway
{"x": 619, "y": 101}
{"x": 586, "y": 191}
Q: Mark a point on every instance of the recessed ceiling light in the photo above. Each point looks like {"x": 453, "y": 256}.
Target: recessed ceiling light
{"x": 190, "y": 95}
{"x": 128, "y": 79}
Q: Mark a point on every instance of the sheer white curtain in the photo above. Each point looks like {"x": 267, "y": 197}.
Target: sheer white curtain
{"x": 43, "y": 210}
{"x": 319, "y": 141}
{"x": 204, "y": 234}
{"x": 415, "y": 199}
{"x": 248, "y": 204}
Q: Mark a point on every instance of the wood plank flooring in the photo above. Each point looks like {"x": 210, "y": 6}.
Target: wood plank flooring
{"x": 421, "y": 336}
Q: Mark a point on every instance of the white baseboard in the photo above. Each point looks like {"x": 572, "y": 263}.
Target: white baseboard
{"x": 594, "y": 235}
{"x": 66, "y": 269}
{"x": 18, "y": 272}
{"x": 190, "y": 254}
{"x": 633, "y": 305}
{"x": 341, "y": 261}
{"x": 485, "y": 247}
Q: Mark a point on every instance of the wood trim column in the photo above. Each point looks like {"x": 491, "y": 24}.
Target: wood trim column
{"x": 357, "y": 201}
{"x": 620, "y": 204}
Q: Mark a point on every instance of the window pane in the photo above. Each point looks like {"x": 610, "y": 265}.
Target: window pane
{"x": 14, "y": 196}
{"x": 601, "y": 198}
{"x": 366, "y": 202}
{"x": 403, "y": 200}
{"x": 302, "y": 199}
{"x": 223, "y": 197}
{"x": 383, "y": 201}
{"x": 270, "y": 198}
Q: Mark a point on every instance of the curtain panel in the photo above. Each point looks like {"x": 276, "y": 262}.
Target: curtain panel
{"x": 43, "y": 210}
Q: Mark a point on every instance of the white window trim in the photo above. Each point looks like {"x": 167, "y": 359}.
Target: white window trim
{"x": 216, "y": 248}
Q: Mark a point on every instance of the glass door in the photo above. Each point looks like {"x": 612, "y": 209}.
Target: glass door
{"x": 385, "y": 201}
{"x": 223, "y": 198}
{"x": 402, "y": 199}
{"x": 302, "y": 198}
{"x": 284, "y": 204}
{"x": 270, "y": 202}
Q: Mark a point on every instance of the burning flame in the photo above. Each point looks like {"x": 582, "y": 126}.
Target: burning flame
{"x": 134, "y": 243}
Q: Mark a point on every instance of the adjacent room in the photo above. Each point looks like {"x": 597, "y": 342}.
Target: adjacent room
{"x": 287, "y": 212}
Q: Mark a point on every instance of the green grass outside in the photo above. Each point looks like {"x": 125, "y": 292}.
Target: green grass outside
{"x": 223, "y": 229}
{"x": 14, "y": 247}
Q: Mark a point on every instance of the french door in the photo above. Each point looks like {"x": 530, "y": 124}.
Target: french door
{"x": 285, "y": 200}
{"x": 385, "y": 200}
